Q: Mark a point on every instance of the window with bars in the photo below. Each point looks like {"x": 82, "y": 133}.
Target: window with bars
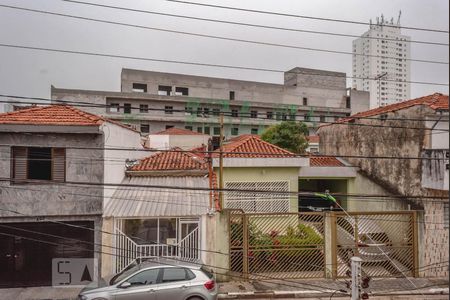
{"x": 38, "y": 163}
{"x": 258, "y": 198}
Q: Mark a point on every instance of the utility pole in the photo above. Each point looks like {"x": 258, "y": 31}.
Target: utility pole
{"x": 356, "y": 277}
{"x": 221, "y": 162}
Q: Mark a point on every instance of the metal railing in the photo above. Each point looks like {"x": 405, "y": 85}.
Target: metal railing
{"x": 128, "y": 251}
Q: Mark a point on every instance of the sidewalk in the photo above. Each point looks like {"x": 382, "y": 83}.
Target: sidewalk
{"x": 380, "y": 289}
{"x": 316, "y": 289}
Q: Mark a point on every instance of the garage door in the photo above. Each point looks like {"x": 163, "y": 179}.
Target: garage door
{"x": 27, "y": 250}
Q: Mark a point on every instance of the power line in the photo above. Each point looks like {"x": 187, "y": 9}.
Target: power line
{"x": 244, "y": 153}
{"x": 304, "y": 16}
{"x": 244, "y": 24}
{"x": 235, "y": 39}
{"x": 286, "y": 110}
{"x": 197, "y": 63}
{"x": 242, "y": 115}
{"x": 190, "y": 188}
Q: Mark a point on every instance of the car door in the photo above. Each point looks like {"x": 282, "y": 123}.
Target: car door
{"x": 142, "y": 286}
{"x": 174, "y": 283}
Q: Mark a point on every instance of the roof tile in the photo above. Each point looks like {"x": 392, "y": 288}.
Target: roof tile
{"x": 325, "y": 161}
{"x": 252, "y": 146}
{"x": 174, "y": 159}
{"x": 436, "y": 101}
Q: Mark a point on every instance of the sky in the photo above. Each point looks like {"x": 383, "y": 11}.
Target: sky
{"x": 31, "y": 73}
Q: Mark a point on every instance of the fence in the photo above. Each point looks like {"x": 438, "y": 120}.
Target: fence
{"x": 318, "y": 245}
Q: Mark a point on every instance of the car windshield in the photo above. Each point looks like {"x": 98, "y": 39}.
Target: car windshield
{"x": 124, "y": 274}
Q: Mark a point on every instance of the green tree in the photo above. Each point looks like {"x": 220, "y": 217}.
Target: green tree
{"x": 288, "y": 135}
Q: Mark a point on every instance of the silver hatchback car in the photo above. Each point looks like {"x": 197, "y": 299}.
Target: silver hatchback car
{"x": 159, "y": 279}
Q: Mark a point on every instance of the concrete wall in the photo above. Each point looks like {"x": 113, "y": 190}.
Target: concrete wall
{"x": 400, "y": 177}
{"x": 185, "y": 142}
{"x": 47, "y": 199}
{"x": 114, "y": 167}
{"x": 317, "y": 85}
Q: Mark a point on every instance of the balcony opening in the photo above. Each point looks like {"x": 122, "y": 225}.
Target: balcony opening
{"x": 164, "y": 90}
{"x": 181, "y": 91}
{"x": 140, "y": 87}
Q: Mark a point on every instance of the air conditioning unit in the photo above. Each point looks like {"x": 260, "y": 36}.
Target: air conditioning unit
{"x": 171, "y": 241}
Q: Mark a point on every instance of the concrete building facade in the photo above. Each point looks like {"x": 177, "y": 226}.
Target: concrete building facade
{"x": 407, "y": 129}
{"x": 381, "y": 63}
{"x": 53, "y": 167}
{"x": 153, "y": 101}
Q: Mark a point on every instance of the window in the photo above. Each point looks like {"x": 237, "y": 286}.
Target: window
{"x": 206, "y": 112}
{"x": 127, "y": 108}
{"x": 216, "y": 131}
{"x": 200, "y": 129}
{"x": 145, "y": 128}
{"x": 168, "y": 110}
{"x": 143, "y": 108}
{"x": 305, "y": 101}
{"x": 140, "y": 87}
{"x": 348, "y": 102}
{"x": 181, "y": 91}
{"x": 144, "y": 277}
{"x": 269, "y": 115}
{"x": 253, "y": 114}
{"x": 234, "y": 131}
{"x": 207, "y": 130}
{"x": 322, "y": 119}
{"x": 114, "y": 107}
{"x": 292, "y": 116}
{"x": 234, "y": 113}
{"x": 216, "y": 111}
{"x": 169, "y": 126}
{"x": 188, "y": 128}
{"x": 307, "y": 117}
{"x": 258, "y": 202}
{"x": 164, "y": 90}
{"x": 188, "y": 110}
{"x": 38, "y": 163}
{"x": 176, "y": 274}
{"x": 231, "y": 95}
{"x": 254, "y": 131}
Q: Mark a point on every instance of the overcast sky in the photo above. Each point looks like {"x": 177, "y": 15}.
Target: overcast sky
{"x": 31, "y": 73}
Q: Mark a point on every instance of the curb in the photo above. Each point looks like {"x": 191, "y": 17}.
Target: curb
{"x": 328, "y": 293}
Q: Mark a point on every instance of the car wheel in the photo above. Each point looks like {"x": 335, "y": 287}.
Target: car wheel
{"x": 195, "y": 298}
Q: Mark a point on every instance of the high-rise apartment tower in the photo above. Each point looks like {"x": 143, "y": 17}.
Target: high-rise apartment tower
{"x": 381, "y": 63}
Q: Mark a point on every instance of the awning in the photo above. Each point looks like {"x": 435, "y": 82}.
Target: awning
{"x": 156, "y": 202}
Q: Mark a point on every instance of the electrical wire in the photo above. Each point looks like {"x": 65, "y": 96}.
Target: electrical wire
{"x": 246, "y": 24}
{"x": 232, "y": 39}
{"x": 303, "y": 16}
{"x": 96, "y": 54}
{"x": 279, "y": 113}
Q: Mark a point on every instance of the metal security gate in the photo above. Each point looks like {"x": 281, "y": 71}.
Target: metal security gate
{"x": 277, "y": 245}
{"x": 385, "y": 241}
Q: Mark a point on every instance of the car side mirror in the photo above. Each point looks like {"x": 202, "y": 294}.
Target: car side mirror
{"x": 125, "y": 285}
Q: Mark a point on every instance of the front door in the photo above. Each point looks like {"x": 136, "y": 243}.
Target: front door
{"x": 6, "y": 260}
{"x": 189, "y": 235}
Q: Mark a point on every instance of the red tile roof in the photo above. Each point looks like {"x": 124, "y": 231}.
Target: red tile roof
{"x": 57, "y": 115}
{"x": 51, "y": 115}
{"x": 325, "y": 161}
{"x": 313, "y": 138}
{"x": 176, "y": 159}
{"x": 178, "y": 131}
{"x": 436, "y": 101}
{"x": 252, "y": 146}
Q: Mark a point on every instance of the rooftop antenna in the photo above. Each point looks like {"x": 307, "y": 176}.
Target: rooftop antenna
{"x": 382, "y": 19}
{"x": 392, "y": 21}
{"x": 378, "y": 20}
{"x": 399, "y": 15}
